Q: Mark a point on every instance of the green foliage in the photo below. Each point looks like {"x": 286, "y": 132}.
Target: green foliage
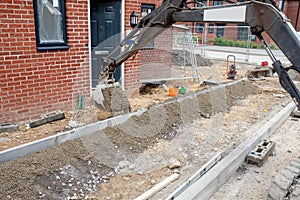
{"x": 229, "y": 43}
{"x": 221, "y": 41}
{"x": 273, "y": 46}
{"x": 211, "y": 40}
{"x": 240, "y": 44}
{"x": 195, "y": 39}
{"x": 254, "y": 45}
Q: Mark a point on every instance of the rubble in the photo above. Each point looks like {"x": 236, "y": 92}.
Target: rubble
{"x": 173, "y": 163}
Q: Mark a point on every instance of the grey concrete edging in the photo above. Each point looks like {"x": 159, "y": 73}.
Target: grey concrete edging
{"x": 51, "y": 141}
{"x": 206, "y": 186}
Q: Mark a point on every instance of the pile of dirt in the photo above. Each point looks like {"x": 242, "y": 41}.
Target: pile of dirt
{"x": 149, "y": 89}
{"x": 180, "y": 57}
{"x": 55, "y": 173}
{"x": 76, "y": 168}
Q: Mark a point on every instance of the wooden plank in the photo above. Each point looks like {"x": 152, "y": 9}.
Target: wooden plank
{"x": 158, "y": 187}
{"x": 205, "y": 168}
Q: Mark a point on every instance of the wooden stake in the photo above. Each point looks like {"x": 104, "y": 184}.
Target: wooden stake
{"x": 157, "y": 187}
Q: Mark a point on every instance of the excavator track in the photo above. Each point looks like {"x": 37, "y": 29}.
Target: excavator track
{"x": 286, "y": 184}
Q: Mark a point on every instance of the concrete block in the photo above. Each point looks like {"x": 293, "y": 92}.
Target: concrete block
{"x": 261, "y": 152}
{"x": 46, "y": 119}
{"x": 8, "y": 128}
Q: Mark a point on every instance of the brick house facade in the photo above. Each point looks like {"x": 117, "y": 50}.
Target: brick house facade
{"x": 290, "y": 8}
{"x": 132, "y": 72}
{"x": 33, "y": 82}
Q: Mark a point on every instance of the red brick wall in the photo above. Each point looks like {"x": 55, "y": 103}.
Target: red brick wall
{"x": 34, "y": 82}
{"x": 291, "y": 11}
{"x": 132, "y": 68}
{"x": 156, "y": 63}
{"x": 231, "y": 32}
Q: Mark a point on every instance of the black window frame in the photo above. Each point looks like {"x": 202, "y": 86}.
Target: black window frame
{"x": 242, "y": 33}
{"x": 199, "y": 27}
{"x": 50, "y": 45}
{"x": 150, "y": 45}
{"x": 147, "y": 6}
{"x": 202, "y": 3}
{"x": 211, "y": 28}
{"x": 217, "y": 2}
{"x": 220, "y": 30}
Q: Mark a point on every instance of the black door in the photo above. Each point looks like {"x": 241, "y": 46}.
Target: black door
{"x": 105, "y": 29}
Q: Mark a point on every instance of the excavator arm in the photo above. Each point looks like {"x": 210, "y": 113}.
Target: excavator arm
{"x": 261, "y": 16}
{"x": 147, "y": 29}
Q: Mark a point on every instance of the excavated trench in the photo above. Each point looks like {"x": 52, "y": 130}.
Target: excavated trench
{"x": 76, "y": 168}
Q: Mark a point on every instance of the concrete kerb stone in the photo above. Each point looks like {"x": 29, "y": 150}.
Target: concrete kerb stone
{"x": 206, "y": 186}
{"x": 9, "y": 127}
{"x": 194, "y": 95}
{"x": 51, "y": 141}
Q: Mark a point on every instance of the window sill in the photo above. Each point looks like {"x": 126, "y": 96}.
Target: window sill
{"x": 147, "y": 48}
{"x": 53, "y": 48}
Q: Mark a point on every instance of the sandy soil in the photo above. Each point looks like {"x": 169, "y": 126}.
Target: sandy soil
{"x": 72, "y": 120}
{"x": 254, "y": 182}
{"x": 101, "y": 164}
{"x": 148, "y": 96}
{"x": 124, "y": 161}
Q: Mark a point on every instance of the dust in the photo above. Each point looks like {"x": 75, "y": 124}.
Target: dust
{"x": 36, "y": 175}
{"x": 84, "y": 163}
{"x": 221, "y": 100}
{"x": 180, "y": 57}
{"x": 72, "y": 120}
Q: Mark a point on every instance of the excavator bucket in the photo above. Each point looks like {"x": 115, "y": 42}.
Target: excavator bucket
{"x": 259, "y": 72}
{"x": 111, "y": 98}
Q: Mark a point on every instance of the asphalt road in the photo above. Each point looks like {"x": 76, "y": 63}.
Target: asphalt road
{"x": 241, "y": 54}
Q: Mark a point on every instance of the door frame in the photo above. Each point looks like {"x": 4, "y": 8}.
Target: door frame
{"x": 90, "y": 42}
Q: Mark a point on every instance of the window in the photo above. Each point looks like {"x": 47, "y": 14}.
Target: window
{"x": 211, "y": 28}
{"x": 218, "y": 2}
{"x": 50, "y": 24}
{"x": 243, "y": 33}
{"x": 281, "y": 5}
{"x": 199, "y": 28}
{"x": 145, "y": 10}
{"x": 202, "y": 3}
{"x": 220, "y": 30}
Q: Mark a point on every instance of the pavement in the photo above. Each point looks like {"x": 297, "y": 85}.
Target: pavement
{"x": 243, "y": 55}
{"x": 207, "y": 185}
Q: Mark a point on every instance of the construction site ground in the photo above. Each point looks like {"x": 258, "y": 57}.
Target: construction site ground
{"x": 253, "y": 182}
{"x": 125, "y": 161}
